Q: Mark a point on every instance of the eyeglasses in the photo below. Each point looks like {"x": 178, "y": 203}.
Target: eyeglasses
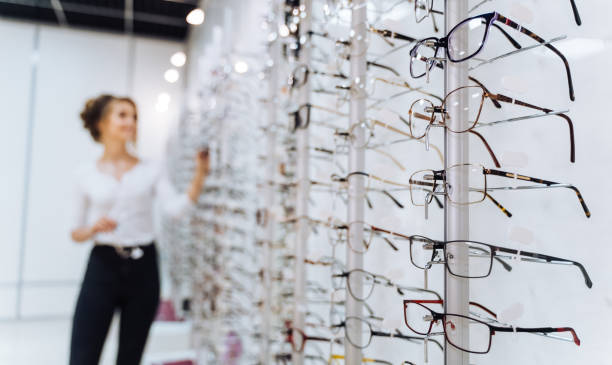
{"x": 369, "y": 125}
{"x": 424, "y": 321}
{"x": 360, "y": 283}
{"x": 424, "y": 252}
{"x": 339, "y": 300}
{"x": 478, "y": 187}
{"x": 475, "y": 30}
{"x": 423, "y": 8}
{"x": 422, "y": 113}
{"x": 298, "y": 339}
{"x": 430, "y": 193}
{"x": 299, "y": 76}
{"x": 359, "y": 333}
{"x": 359, "y": 88}
{"x": 300, "y": 117}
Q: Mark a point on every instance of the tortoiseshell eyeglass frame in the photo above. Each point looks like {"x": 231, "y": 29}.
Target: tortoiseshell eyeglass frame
{"x": 486, "y": 94}
{"x": 489, "y": 19}
{"x": 438, "y": 179}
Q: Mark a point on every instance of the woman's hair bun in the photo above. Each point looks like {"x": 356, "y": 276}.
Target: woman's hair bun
{"x": 93, "y": 112}
{"x": 95, "y": 109}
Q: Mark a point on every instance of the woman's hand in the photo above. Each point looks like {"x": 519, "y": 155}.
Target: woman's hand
{"x": 202, "y": 163}
{"x": 103, "y": 224}
{"x": 201, "y": 172}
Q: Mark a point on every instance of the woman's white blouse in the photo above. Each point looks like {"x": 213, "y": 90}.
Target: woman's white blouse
{"x": 129, "y": 202}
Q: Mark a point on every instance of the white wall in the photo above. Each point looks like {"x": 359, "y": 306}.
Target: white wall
{"x": 72, "y": 66}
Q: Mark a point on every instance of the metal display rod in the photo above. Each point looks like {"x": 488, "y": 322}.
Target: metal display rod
{"x": 456, "y": 218}
{"x": 303, "y": 191}
{"x": 356, "y": 162}
{"x": 269, "y": 219}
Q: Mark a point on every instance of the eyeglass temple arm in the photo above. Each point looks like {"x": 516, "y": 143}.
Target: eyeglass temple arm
{"x": 315, "y": 338}
{"x": 487, "y": 146}
{"x": 384, "y": 67}
{"x": 537, "y": 330}
{"x": 511, "y": 175}
{"x": 421, "y": 290}
{"x": 478, "y": 305}
{"x": 502, "y": 262}
{"x": 413, "y": 338}
{"x": 510, "y": 23}
{"x": 548, "y": 259}
{"x": 515, "y": 44}
{"x": 497, "y": 204}
{"x": 576, "y": 15}
{"x": 507, "y": 99}
{"x": 494, "y": 101}
{"x": 399, "y": 335}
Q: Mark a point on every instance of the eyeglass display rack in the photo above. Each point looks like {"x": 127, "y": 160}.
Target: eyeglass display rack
{"x": 329, "y": 145}
{"x": 212, "y": 253}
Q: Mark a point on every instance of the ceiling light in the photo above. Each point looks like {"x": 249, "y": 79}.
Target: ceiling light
{"x": 178, "y": 59}
{"x": 171, "y": 75}
{"x": 241, "y": 67}
{"x": 163, "y": 98}
{"x": 196, "y": 17}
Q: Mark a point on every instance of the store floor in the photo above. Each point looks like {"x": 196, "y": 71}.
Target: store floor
{"x": 47, "y": 342}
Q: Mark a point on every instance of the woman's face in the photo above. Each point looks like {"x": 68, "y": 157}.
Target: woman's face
{"x": 120, "y": 123}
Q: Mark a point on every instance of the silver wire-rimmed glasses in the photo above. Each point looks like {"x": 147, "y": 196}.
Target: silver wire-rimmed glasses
{"x": 359, "y": 333}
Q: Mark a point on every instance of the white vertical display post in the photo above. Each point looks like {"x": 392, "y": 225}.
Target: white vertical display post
{"x": 355, "y": 214}
{"x": 456, "y": 222}
{"x": 303, "y": 188}
{"x": 269, "y": 218}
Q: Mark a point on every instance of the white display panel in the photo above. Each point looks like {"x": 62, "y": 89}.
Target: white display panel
{"x": 67, "y": 76}
{"x": 15, "y": 79}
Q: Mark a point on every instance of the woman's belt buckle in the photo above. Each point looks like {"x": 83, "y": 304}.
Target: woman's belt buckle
{"x": 129, "y": 252}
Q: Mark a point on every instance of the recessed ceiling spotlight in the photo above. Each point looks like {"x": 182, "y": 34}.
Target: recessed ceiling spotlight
{"x": 178, "y": 59}
{"x": 171, "y": 75}
{"x": 196, "y": 17}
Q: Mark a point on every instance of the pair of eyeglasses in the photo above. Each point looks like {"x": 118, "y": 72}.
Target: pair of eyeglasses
{"x": 299, "y": 118}
{"x": 343, "y": 49}
{"x": 370, "y": 142}
{"x": 477, "y": 188}
{"x": 424, "y": 321}
{"x": 339, "y": 187}
{"x": 424, "y": 8}
{"x": 338, "y": 300}
{"x": 480, "y": 257}
{"x": 475, "y": 29}
{"x": 360, "y": 283}
{"x": 359, "y": 333}
{"x": 423, "y": 112}
{"x": 369, "y": 87}
{"x": 299, "y": 76}
{"x": 298, "y": 339}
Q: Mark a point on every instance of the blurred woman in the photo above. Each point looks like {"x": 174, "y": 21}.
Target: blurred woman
{"x": 114, "y": 208}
